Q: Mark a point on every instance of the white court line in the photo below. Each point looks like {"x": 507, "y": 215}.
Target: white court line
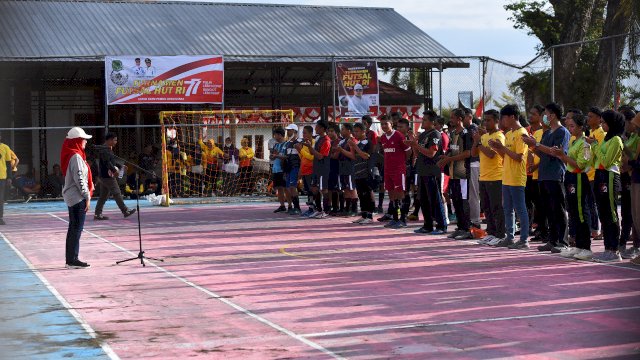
{"x": 105, "y": 347}
{"x": 460, "y": 322}
{"x": 223, "y": 300}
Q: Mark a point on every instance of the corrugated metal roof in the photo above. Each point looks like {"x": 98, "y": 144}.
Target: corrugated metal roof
{"x": 89, "y": 30}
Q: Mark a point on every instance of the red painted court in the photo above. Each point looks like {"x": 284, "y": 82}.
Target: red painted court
{"x": 239, "y": 282}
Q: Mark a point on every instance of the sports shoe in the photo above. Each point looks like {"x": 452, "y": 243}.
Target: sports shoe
{"x": 358, "y": 221}
{"x": 77, "y": 264}
{"x": 129, "y": 212}
{"x": 630, "y": 253}
{"x": 100, "y": 217}
{"x": 486, "y": 239}
{"x": 397, "y": 225}
{"x": 495, "y": 241}
{"x": 583, "y": 254}
{"x": 322, "y": 215}
{"x": 391, "y": 224}
{"x": 313, "y": 214}
{"x": 520, "y": 245}
{"x": 607, "y": 256}
{"x": 385, "y": 217}
{"x": 559, "y": 249}
{"x": 635, "y": 261}
{"x": 379, "y": 210}
{"x": 402, "y": 224}
{"x": 546, "y": 247}
{"x": 280, "y": 209}
{"x": 465, "y": 235}
{"x": 569, "y": 252}
{"x": 422, "y": 230}
{"x": 505, "y": 243}
{"x": 453, "y": 235}
{"x": 438, "y": 232}
{"x": 366, "y": 221}
{"x": 307, "y": 213}
{"x": 412, "y": 217}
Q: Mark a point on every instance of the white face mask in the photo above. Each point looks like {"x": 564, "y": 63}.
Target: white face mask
{"x": 545, "y": 120}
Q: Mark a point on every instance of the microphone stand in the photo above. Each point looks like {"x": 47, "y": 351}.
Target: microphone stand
{"x": 141, "y": 255}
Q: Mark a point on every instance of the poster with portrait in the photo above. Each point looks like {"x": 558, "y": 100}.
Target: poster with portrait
{"x": 357, "y": 83}
{"x": 145, "y": 79}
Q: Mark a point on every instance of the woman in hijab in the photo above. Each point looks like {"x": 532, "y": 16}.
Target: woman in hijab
{"x": 607, "y": 158}
{"x": 77, "y": 191}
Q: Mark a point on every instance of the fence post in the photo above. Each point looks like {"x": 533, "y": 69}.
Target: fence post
{"x": 440, "y": 85}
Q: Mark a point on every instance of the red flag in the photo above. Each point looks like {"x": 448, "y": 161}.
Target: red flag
{"x": 480, "y": 108}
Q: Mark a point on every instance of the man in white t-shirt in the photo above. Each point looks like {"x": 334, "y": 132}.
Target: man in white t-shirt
{"x": 359, "y": 104}
{"x": 149, "y": 70}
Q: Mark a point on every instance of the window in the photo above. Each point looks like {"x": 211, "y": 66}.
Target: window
{"x": 259, "y": 150}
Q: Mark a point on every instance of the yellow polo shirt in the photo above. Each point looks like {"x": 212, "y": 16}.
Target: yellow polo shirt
{"x": 6, "y": 155}
{"x": 491, "y": 169}
{"x": 514, "y": 172}
{"x": 599, "y": 135}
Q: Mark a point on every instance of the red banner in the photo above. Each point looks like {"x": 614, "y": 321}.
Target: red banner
{"x": 164, "y": 79}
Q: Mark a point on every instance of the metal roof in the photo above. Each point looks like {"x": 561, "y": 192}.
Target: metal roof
{"x": 87, "y": 30}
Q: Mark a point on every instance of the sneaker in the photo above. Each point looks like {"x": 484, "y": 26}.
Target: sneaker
{"x": 313, "y": 215}
{"x": 358, "y": 221}
{"x": 520, "y": 245}
{"x": 495, "y": 241}
{"x": 412, "y": 217}
{"x": 583, "y": 254}
{"x": 322, "y": 215}
{"x": 559, "y": 249}
{"x": 630, "y": 253}
{"x": 100, "y": 217}
{"x": 607, "y": 257}
{"x": 77, "y": 264}
{"x": 437, "y": 232}
{"x": 453, "y": 235}
{"x": 505, "y": 243}
{"x": 422, "y": 230}
{"x": 391, "y": 224}
{"x": 635, "y": 261}
{"x": 569, "y": 252}
{"x": 366, "y": 221}
{"x": 465, "y": 235}
{"x": 379, "y": 210}
{"x": 397, "y": 225}
{"x": 280, "y": 209}
{"x": 307, "y": 213}
{"x": 129, "y": 212}
{"x": 486, "y": 239}
{"x": 402, "y": 224}
{"x": 385, "y": 217}
{"x": 546, "y": 247}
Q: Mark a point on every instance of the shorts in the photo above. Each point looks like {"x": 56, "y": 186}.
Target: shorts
{"x": 278, "y": 180}
{"x": 321, "y": 181}
{"x": 346, "y": 182}
{"x": 334, "y": 182}
{"x": 395, "y": 181}
{"x": 291, "y": 178}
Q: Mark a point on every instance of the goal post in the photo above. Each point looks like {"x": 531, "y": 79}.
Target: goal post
{"x": 209, "y": 154}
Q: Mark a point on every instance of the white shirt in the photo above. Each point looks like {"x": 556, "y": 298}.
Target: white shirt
{"x": 137, "y": 70}
{"x": 150, "y": 71}
{"x": 359, "y": 105}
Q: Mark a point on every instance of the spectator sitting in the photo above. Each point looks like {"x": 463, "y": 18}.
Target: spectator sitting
{"x": 55, "y": 182}
{"x": 130, "y": 187}
{"x": 27, "y": 185}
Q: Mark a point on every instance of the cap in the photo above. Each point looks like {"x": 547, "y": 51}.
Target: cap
{"x": 77, "y": 132}
{"x": 292, "y": 127}
{"x": 357, "y": 87}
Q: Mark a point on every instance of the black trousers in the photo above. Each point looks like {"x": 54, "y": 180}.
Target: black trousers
{"x": 578, "y": 188}
{"x": 74, "y": 231}
{"x": 541, "y": 212}
{"x": 460, "y": 205}
{"x": 557, "y": 219}
{"x": 530, "y": 194}
{"x": 3, "y": 188}
{"x": 606, "y": 189}
{"x": 363, "y": 188}
{"x": 626, "y": 220}
{"x": 491, "y": 204}
{"x": 431, "y": 203}
{"x": 109, "y": 186}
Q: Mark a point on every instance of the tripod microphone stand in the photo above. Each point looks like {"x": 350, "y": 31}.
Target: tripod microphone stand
{"x": 141, "y": 255}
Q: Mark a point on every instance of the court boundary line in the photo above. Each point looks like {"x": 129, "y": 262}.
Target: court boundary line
{"x": 459, "y": 322}
{"x": 225, "y": 301}
{"x": 85, "y": 325}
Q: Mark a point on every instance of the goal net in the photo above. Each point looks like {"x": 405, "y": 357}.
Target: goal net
{"x": 210, "y": 154}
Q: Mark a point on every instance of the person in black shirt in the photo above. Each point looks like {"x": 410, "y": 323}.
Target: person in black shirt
{"x": 347, "y": 154}
{"x": 363, "y": 166}
{"x": 108, "y": 171}
{"x": 429, "y": 149}
{"x": 292, "y": 168}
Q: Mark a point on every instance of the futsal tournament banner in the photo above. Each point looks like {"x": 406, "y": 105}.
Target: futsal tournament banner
{"x": 144, "y": 79}
{"x": 357, "y": 83}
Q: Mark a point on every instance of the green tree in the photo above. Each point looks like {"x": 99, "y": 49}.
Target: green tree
{"x": 583, "y": 72}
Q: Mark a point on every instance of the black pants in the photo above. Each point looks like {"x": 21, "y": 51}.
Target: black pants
{"x": 626, "y": 220}
{"x": 595, "y": 219}
{"x": 541, "y": 215}
{"x": 578, "y": 189}
{"x": 491, "y": 203}
{"x": 431, "y": 203}
{"x": 74, "y": 231}
{"x": 530, "y": 194}
{"x": 3, "y": 188}
{"x": 109, "y": 186}
{"x": 460, "y": 205}
{"x": 363, "y": 188}
{"x": 557, "y": 215}
{"x": 606, "y": 189}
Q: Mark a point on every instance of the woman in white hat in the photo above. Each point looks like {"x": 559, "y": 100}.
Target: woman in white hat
{"x": 77, "y": 191}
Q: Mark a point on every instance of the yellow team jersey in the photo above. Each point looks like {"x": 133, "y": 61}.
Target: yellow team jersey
{"x": 6, "y": 155}
{"x": 599, "y": 135}
{"x": 491, "y": 169}
{"x": 515, "y": 172}
{"x": 536, "y": 159}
